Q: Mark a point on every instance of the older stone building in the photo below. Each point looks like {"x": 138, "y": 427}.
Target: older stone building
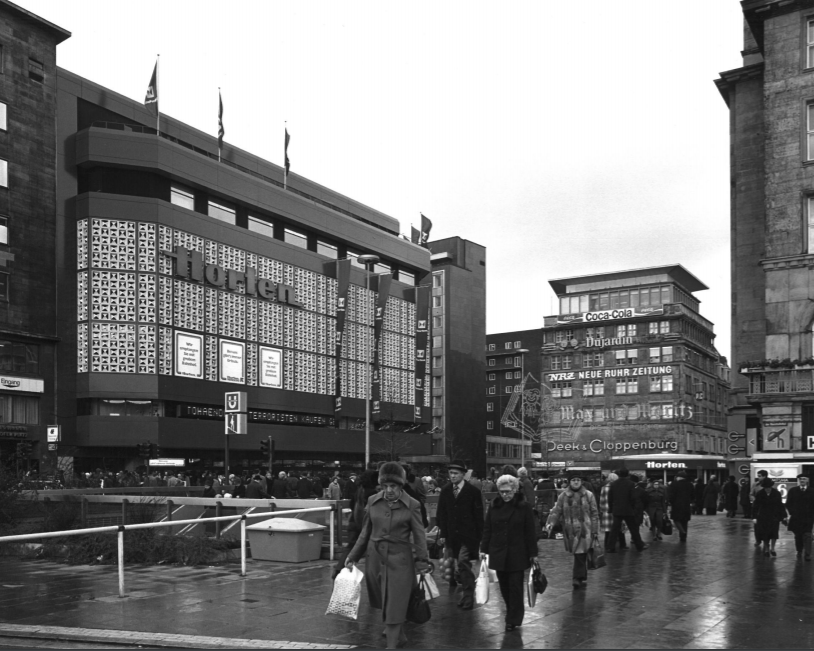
{"x": 771, "y": 104}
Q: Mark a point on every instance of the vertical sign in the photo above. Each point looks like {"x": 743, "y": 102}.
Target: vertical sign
{"x": 235, "y": 406}
{"x": 342, "y": 287}
{"x": 378, "y": 322}
{"x": 54, "y": 433}
{"x": 422, "y": 308}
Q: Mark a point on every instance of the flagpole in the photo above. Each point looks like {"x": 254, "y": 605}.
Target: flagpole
{"x": 220, "y": 122}
{"x": 285, "y": 155}
{"x": 157, "y": 108}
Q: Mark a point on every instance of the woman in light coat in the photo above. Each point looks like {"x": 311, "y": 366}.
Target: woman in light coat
{"x": 576, "y": 509}
{"x": 390, "y": 570}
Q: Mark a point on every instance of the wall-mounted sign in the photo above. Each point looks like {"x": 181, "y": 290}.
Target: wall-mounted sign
{"x": 598, "y": 374}
{"x": 592, "y": 342}
{"x": 188, "y": 355}
{"x": 235, "y": 402}
{"x": 271, "y": 368}
{"x": 32, "y": 385}
{"x": 232, "y": 361}
{"x": 206, "y": 412}
{"x": 166, "y": 462}
{"x": 599, "y": 445}
{"x": 53, "y": 433}
{"x": 610, "y": 315}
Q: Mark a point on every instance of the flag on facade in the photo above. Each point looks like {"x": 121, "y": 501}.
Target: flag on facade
{"x": 152, "y": 90}
{"x": 285, "y": 152}
{"x": 426, "y": 227}
{"x": 221, "y": 130}
{"x": 415, "y": 235}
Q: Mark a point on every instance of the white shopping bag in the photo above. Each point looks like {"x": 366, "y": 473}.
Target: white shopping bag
{"x": 430, "y": 588}
{"x": 531, "y": 593}
{"x": 492, "y": 574}
{"x": 347, "y": 593}
{"x": 482, "y": 586}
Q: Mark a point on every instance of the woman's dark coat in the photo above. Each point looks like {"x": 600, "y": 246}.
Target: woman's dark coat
{"x": 768, "y": 510}
{"x": 680, "y": 497}
{"x": 509, "y": 536}
{"x": 711, "y": 496}
{"x": 730, "y": 491}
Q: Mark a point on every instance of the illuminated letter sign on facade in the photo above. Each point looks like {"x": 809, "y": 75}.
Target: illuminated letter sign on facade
{"x": 189, "y": 355}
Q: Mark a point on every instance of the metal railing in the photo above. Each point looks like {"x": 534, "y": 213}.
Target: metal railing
{"x": 120, "y": 529}
{"x": 782, "y": 381}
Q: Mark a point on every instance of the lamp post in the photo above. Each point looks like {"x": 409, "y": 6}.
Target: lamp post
{"x": 522, "y": 352}
{"x": 368, "y": 260}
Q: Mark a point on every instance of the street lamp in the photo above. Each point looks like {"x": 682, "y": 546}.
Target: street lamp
{"x": 369, "y": 260}
{"x": 522, "y": 352}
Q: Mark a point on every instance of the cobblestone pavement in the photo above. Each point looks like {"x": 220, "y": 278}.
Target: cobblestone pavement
{"x": 715, "y": 591}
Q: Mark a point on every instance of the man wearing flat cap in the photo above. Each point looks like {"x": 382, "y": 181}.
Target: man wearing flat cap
{"x": 460, "y": 519}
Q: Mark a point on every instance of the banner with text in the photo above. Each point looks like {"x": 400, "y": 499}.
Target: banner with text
{"x": 422, "y": 326}
{"x": 342, "y": 287}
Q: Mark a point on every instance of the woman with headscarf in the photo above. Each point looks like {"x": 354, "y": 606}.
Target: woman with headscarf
{"x": 390, "y": 569}
{"x": 606, "y": 515}
{"x": 576, "y": 509}
{"x": 768, "y": 511}
{"x": 510, "y": 540}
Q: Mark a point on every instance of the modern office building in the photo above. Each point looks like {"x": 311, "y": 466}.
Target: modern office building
{"x": 505, "y": 367}
{"x": 144, "y": 278}
{"x": 771, "y": 104}
{"x": 457, "y": 362}
{"x": 631, "y": 376}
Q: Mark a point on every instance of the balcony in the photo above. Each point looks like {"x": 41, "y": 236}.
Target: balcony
{"x": 785, "y": 381}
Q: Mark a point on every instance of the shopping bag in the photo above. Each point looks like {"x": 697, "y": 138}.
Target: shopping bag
{"x": 434, "y": 549}
{"x": 666, "y": 527}
{"x": 645, "y": 520}
{"x": 418, "y": 608}
{"x": 531, "y": 593}
{"x": 492, "y": 574}
{"x": 430, "y": 588}
{"x": 347, "y": 593}
{"x": 539, "y": 579}
{"x": 482, "y": 586}
{"x": 596, "y": 557}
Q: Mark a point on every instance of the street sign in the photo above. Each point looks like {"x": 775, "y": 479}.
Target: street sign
{"x": 743, "y": 469}
{"x": 735, "y": 450}
{"x": 236, "y": 424}
{"x": 166, "y": 462}
{"x": 54, "y": 433}
{"x": 52, "y": 447}
{"x": 735, "y": 436}
{"x": 235, "y": 402}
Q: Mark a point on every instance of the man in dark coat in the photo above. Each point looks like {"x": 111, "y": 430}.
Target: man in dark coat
{"x": 279, "y": 487}
{"x": 254, "y": 491}
{"x": 800, "y": 505}
{"x": 460, "y": 519}
{"x": 680, "y": 499}
{"x": 622, "y": 504}
{"x": 730, "y": 492}
{"x": 303, "y": 488}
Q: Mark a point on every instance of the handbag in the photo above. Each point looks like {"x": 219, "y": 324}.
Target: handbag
{"x": 418, "y": 608}
{"x": 347, "y": 593}
{"x": 539, "y": 579}
{"x": 435, "y": 550}
{"x": 482, "y": 586}
{"x": 666, "y": 527}
{"x": 596, "y": 556}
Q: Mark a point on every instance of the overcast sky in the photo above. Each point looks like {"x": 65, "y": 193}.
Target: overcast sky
{"x": 568, "y": 138}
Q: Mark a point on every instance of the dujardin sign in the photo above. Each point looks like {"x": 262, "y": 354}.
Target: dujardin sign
{"x": 189, "y": 264}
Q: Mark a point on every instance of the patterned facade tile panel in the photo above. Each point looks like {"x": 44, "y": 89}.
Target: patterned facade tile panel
{"x": 290, "y": 370}
{"x": 165, "y": 345}
{"x": 232, "y": 309}
{"x": 189, "y": 241}
{"x": 112, "y": 296}
{"x": 82, "y": 296}
{"x": 211, "y": 349}
{"x": 165, "y": 243}
{"x": 230, "y": 257}
{"x": 147, "y": 239}
{"x": 82, "y": 348}
{"x": 189, "y": 305}
{"x": 147, "y": 349}
{"x": 251, "y": 319}
{"x": 330, "y": 296}
{"x": 212, "y": 254}
{"x": 288, "y": 327}
{"x": 113, "y": 244}
{"x": 165, "y": 300}
{"x": 251, "y": 364}
{"x": 113, "y": 348}
{"x": 147, "y": 312}
{"x": 82, "y": 244}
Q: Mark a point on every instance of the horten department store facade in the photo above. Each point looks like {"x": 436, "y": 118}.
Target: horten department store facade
{"x": 181, "y": 277}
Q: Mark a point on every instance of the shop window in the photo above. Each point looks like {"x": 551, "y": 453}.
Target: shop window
{"x": 181, "y": 196}
{"x": 20, "y": 409}
{"x": 221, "y": 212}
{"x": 257, "y": 225}
{"x": 296, "y": 238}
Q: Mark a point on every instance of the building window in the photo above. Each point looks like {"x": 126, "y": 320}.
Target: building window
{"x": 627, "y": 385}
{"x": 563, "y": 336}
{"x": 381, "y": 268}
{"x": 436, "y": 301}
{"x": 561, "y": 390}
{"x": 257, "y": 225}
{"x": 436, "y": 361}
{"x": 354, "y": 260}
{"x": 297, "y": 239}
{"x": 627, "y": 357}
{"x": 517, "y": 344}
{"x": 593, "y": 388}
{"x": 3, "y": 117}
{"x": 437, "y": 381}
{"x": 491, "y": 376}
{"x": 517, "y": 361}
{"x": 492, "y": 361}
{"x": 3, "y": 173}
{"x": 509, "y": 389}
{"x": 330, "y": 251}
{"x": 658, "y": 327}
{"x": 490, "y": 424}
{"x": 810, "y": 243}
{"x": 20, "y": 409}
{"x": 509, "y": 360}
{"x": 491, "y": 346}
{"x": 810, "y": 132}
{"x": 662, "y": 354}
{"x": 593, "y": 360}
{"x": 556, "y": 362}
{"x": 4, "y": 286}
{"x": 437, "y": 321}
{"x": 406, "y": 277}
{"x": 491, "y": 391}
{"x": 221, "y": 212}
{"x": 490, "y": 406}
{"x": 181, "y": 196}
{"x": 509, "y": 375}
{"x": 661, "y": 410}
{"x": 19, "y": 358}
{"x": 517, "y": 375}
{"x": 36, "y": 71}
{"x": 3, "y": 230}
{"x": 438, "y": 402}
{"x": 810, "y": 44}
{"x": 508, "y": 345}
{"x": 436, "y": 341}
{"x": 595, "y": 333}
{"x": 436, "y": 280}
{"x": 567, "y": 361}
{"x": 628, "y": 330}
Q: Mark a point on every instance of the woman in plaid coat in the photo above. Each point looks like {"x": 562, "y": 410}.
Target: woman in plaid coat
{"x": 605, "y": 515}
{"x": 576, "y": 510}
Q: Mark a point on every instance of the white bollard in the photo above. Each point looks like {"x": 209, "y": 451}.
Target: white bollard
{"x": 121, "y": 562}
{"x": 243, "y": 546}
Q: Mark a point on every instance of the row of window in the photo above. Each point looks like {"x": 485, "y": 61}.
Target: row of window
{"x": 511, "y": 361}
{"x": 510, "y": 375}
{"x": 225, "y": 212}
{"x": 624, "y": 298}
{"x": 502, "y": 450}
{"x": 658, "y": 384}
{"x": 626, "y": 357}
{"x": 602, "y": 332}
{"x": 22, "y": 410}
{"x": 508, "y": 345}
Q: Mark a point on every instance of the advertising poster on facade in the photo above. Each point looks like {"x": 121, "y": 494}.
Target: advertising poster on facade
{"x": 271, "y": 368}
{"x": 232, "y": 361}
{"x": 189, "y": 355}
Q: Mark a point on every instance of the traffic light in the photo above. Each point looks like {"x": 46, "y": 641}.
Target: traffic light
{"x": 144, "y": 449}
{"x": 24, "y": 449}
{"x": 155, "y": 451}
{"x": 264, "y": 447}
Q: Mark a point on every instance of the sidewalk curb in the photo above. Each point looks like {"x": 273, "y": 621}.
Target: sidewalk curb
{"x": 167, "y": 640}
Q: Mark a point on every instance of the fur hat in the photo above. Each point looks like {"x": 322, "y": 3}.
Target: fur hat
{"x": 522, "y": 471}
{"x": 457, "y": 465}
{"x": 393, "y": 472}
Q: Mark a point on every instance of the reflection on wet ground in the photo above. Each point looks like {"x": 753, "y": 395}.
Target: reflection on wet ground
{"x": 716, "y": 591}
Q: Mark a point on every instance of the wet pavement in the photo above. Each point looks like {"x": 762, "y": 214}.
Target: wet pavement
{"x": 716, "y": 591}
